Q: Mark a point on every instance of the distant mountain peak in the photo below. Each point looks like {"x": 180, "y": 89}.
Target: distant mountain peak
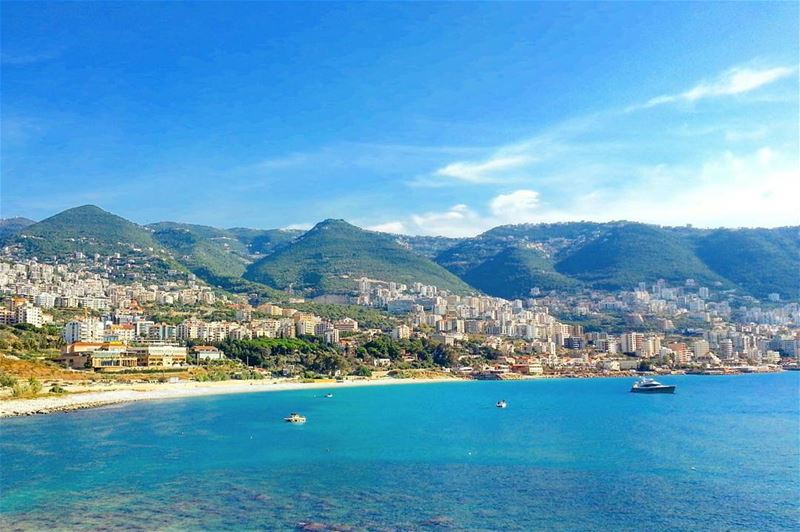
{"x": 329, "y": 257}
{"x": 334, "y": 222}
{"x": 88, "y": 209}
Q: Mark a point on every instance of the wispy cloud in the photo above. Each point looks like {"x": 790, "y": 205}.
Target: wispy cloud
{"x": 19, "y": 59}
{"x": 514, "y": 163}
{"x": 389, "y": 227}
{"x": 755, "y": 188}
{"x": 458, "y": 220}
{"x": 300, "y": 226}
{"x": 488, "y": 171}
{"x": 737, "y": 80}
{"x": 518, "y": 206}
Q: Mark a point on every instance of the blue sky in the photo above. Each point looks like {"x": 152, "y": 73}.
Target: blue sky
{"x": 418, "y": 117}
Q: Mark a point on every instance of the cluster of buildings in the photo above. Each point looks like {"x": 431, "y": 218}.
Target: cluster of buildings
{"x": 72, "y": 286}
{"x": 663, "y": 306}
{"x": 21, "y": 310}
{"x": 135, "y": 327}
{"x": 687, "y": 326}
{"x": 529, "y": 328}
{"x": 130, "y": 264}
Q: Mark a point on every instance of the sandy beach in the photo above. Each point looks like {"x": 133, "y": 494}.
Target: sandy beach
{"x": 96, "y": 396}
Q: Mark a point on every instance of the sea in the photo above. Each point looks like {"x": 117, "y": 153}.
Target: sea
{"x": 723, "y": 453}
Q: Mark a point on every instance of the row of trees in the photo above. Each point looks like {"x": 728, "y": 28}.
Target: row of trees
{"x": 299, "y": 354}
{"x": 309, "y": 354}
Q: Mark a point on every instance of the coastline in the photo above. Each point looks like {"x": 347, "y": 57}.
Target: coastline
{"x": 95, "y": 396}
{"x": 149, "y": 392}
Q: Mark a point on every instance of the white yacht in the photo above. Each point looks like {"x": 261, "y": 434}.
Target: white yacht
{"x": 648, "y": 385}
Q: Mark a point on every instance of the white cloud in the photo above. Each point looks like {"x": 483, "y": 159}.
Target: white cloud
{"x": 517, "y": 207}
{"x": 757, "y": 188}
{"x": 300, "y": 226}
{"x": 731, "y": 190}
{"x": 709, "y": 168}
{"x": 389, "y": 227}
{"x": 458, "y": 220}
{"x": 737, "y": 80}
{"x": 488, "y": 171}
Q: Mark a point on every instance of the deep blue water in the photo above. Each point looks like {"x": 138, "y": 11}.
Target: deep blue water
{"x": 723, "y": 453}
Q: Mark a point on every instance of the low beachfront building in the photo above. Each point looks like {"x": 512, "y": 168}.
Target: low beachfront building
{"x": 112, "y": 360}
{"x": 101, "y": 360}
{"x": 206, "y": 353}
{"x": 95, "y": 355}
{"x": 159, "y": 356}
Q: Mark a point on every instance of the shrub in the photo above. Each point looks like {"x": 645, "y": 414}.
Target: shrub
{"x": 57, "y": 389}
{"x": 363, "y": 371}
{"x": 34, "y": 386}
{"x": 6, "y": 380}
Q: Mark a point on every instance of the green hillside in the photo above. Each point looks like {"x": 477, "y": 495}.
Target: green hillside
{"x": 264, "y": 241}
{"x": 202, "y": 248}
{"x": 621, "y": 254}
{"x": 88, "y": 229}
{"x": 12, "y": 226}
{"x": 762, "y": 261}
{"x": 629, "y": 253}
{"x": 468, "y": 254}
{"x": 506, "y": 261}
{"x": 428, "y": 246}
{"x": 331, "y": 256}
{"x": 514, "y": 271}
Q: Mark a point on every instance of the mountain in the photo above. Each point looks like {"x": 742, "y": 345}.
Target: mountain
{"x": 12, "y": 226}
{"x": 506, "y": 261}
{"x": 88, "y": 229}
{"x": 514, "y": 271}
{"x": 332, "y": 255}
{"x": 427, "y": 246}
{"x": 763, "y": 261}
{"x": 512, "y": 259}
{"x": 127, "y": 251}
{"x": 629, "y": 253}
{"x": 202, "y": 249}
{"x": 550, "y": 239}
{"x": 264, "y": 241}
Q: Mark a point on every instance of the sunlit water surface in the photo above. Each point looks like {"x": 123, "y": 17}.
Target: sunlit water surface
{"x": 721, "y": 454}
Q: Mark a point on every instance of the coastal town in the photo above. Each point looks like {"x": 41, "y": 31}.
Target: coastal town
{"x": 106, "y": 326}
{"x": 399, "y": 266}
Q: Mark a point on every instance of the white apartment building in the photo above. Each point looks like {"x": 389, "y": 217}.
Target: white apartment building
{"x": 401, "y": 332}
{"x": 88, "y": 330}
{"x": 29, "y": 314}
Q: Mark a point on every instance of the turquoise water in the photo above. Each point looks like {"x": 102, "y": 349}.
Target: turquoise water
{"x": 723, "y": 453}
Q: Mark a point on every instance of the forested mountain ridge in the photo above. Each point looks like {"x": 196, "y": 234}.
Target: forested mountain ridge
{"x": 506, "y": 261}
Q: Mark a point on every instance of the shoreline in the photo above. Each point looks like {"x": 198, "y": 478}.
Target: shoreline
{"x": 129, "y": 393}
{"x": 53, "y": 404}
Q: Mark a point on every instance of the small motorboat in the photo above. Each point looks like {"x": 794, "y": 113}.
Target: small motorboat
{"x": 295, "y": 418}
{"x": 647, "y": 385}
{"x": 501, "y": 404}
{"x": 328, "y": 395}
